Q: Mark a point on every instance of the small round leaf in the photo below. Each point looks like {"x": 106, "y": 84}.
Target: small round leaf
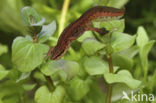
{"x": 27, "y": 55}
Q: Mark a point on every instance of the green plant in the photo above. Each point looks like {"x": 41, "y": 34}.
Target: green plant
{"x": 91, "y": 63}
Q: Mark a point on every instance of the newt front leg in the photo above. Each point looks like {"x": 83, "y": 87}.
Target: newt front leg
{"x": 101, "y": 31}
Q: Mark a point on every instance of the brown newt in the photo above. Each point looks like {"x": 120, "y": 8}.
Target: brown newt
{"x": 82, "y": 24}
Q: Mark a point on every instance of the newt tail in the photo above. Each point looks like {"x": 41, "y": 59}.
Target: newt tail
{"x": 78, "y": 27}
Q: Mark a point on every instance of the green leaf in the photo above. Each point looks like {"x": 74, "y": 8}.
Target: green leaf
{"x": 121, "y": 41}
{"x": 43, "y": 95}
{"x": 10, "y": 88}
{"x": 87, "y": 34}
{"x": 11, "y": 99}
{"x": 151, "y": 81}
{"x": 39, "y": 76}
{"x": 144, "y": 48}
{"x": 14, "y": 74}
{"x": 118, "y": 90}
{"x": 64, "y": 69}
{"x": 95, "y": 95}
{"x": 117, "y": 3}
{"x": 144, "y": 51}
{"x": 77, "y": 88}
{"x": 3, "y": 49}
{"x": 101, "y": 2}
{"x": 40, "y": 23}
{"x": 30, "y": 16}
{"x": 96, "y": 66}
{"x": 23, "y": 76}
{"x": 138, "y": 70}
{"x": 29, "y": 87}
{"x": 142, "y": 37}
{"x": 46, "y": 32}
{"x": 32, "y": 19}
{"x": 91, "y": 46}
{"x": 27, "y": 55}
{"x": 122, "y": 76}
{"x": 122, "y": 61}
{"x": 119, "y": 25}
{"x": 130, "y": 52}
{"x": 3, "y": 72}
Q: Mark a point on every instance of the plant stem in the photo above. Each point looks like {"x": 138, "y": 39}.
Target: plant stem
{"x": 109, "y": 92}
{"x": 34, "y": 36}
{"x": 50, "y": 83}
{"x": 35, "y": 39}
{"x": 109, "y": 57}
{"x": 63, "y": 15}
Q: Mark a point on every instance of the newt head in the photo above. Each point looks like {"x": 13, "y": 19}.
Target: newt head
{"x": 58, "y": 51}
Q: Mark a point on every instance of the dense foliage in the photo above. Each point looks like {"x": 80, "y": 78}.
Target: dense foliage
{"x": 28, "y": 28}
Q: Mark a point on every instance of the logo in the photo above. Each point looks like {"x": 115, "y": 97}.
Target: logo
{"x": 137, "y": 96}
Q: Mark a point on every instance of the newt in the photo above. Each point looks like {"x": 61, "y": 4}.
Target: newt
{"x": 82, "y": 24}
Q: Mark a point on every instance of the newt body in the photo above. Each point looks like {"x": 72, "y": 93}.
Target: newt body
{"x": 78, "y": 27}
